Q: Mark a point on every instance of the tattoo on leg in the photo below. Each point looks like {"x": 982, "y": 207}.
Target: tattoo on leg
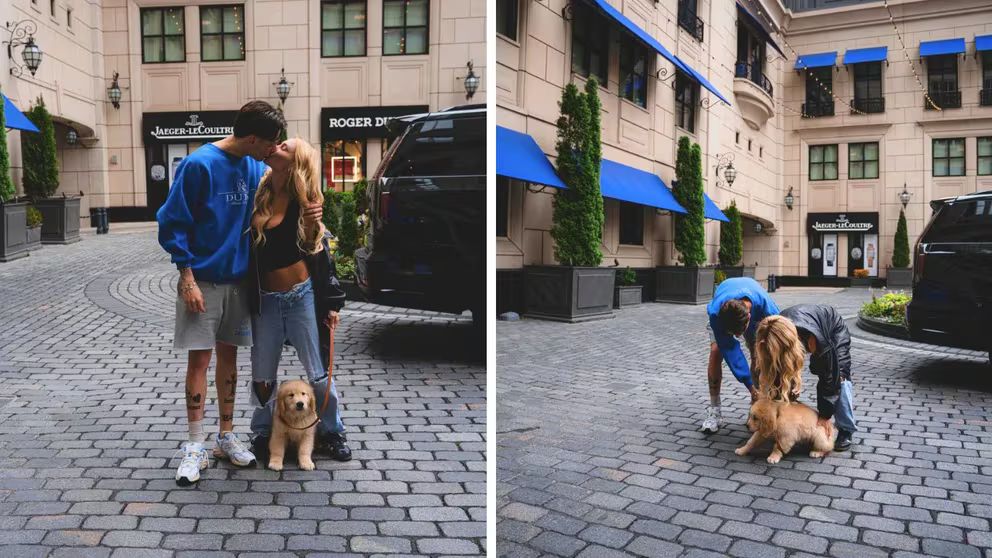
{"x": 193, "y": 401}
{"x": 226, "y": 417}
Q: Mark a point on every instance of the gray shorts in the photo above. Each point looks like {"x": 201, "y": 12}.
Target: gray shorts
{"x": 227, "y": 319}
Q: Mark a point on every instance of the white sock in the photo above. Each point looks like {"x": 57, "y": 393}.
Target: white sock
{"x": 196, "y": 432}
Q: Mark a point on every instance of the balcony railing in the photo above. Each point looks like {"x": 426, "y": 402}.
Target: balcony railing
{"x": 689, "y": 21}
{"x": 944, "y": 99}
{"x": 753, "y": 73}
{"x": 818, "y": 108}
{"x": 868, "y": 105}
{"x": 985, "y": 95}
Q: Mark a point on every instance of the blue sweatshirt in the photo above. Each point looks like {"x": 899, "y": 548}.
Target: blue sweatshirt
{"x": 203, "y": 223}
{"x": 762, "y": 306}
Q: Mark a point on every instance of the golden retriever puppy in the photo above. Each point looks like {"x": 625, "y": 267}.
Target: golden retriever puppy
{"x": 295, "y": 422}
{"x": 786, "y": 424}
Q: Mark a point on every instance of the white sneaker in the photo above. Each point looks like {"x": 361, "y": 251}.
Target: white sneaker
{"x": 712, "y": 421}
{"x": 230, "y": 448}
{"x": 194, "y": 460}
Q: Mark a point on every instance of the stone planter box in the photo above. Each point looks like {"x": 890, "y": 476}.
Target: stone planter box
{"x": 568, "y": 294}
{"x": 860, "y": 281}
{"x": 899, "y": 277}
{"x": 33, "y": 238}
{"x": 628, "y": 295}
{"x": 60, "y": 220}
{"x": 737, "y": 271}
{"x": 882, "y": 327}
{"x": 684, "y": 285}
{"x": 13, "y": 231}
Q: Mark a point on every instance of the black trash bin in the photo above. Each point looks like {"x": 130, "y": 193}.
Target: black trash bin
{"x": 772, "y": 283}
{"x": 104, "y": 221}
{"x": 95, "y": 218}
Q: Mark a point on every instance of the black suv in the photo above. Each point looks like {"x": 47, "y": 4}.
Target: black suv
{"x": 426, "y": 244}
{"x": 952, "y": 275}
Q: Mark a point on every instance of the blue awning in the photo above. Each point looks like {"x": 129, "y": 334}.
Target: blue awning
{"x": 983, "y": 43}
{"x": 946, "y": 46}
{"x": 711, "y": 211}
{"x": 620, "y": 182}
{"x": 14, "y": 118}
{"x": 650, "y": 41}
{"x": 758, "y": 26}
{"x": 820, "y": 60}
{"x": 872, "y": 54}
{"x": 518, "y": 156}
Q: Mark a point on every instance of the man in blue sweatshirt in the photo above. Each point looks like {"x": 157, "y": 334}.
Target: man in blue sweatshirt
{"x": 203, "y": 224}
{"x": 738, "y": 306}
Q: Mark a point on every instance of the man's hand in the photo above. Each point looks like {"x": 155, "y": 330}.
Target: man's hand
{"x": 332, "y": 320}
{"x": 192, "y": 296}
{"x": 312, "y": 214}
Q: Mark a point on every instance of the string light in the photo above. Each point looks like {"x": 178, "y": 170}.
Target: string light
{"x": 905, "y": 51}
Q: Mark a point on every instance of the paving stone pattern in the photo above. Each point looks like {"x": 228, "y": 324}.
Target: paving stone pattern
{"x": 92, "y": 413}
{"x": 599, "y": 452}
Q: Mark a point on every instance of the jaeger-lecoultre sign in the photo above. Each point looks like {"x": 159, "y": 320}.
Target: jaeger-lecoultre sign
{"x": 843, "y": 222}
{"x": 181, "y": 127}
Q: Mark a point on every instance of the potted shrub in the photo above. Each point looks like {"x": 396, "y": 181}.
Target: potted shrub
{"x": 13, "y": 214}
{"x": 732, "y": 244}
{"x": 34, "y": 221}
{"x": 688, "y": 283}
{"x": 41, "y": 180}
{"x": 626, "y": 292}
{"x": 577, "y": 289}
{"x": 860, "y": 278}
{"x": 900, "y": 275}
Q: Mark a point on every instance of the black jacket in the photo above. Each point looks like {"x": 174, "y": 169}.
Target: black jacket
{"x": 832, "y": 359}
{"x": 327, "y": 292}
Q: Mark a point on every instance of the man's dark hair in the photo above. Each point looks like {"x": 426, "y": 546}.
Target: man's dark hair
{"x": 734, "y": 316}
{"x": 260, "y": 119}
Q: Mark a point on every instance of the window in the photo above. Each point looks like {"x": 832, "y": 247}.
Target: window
{"x": 823, "y": 162}
{"x": 342, "y": 24}
{"x": 942, "y": 73}
{"x": 819, "y": 83}
{"x": 688, "y": 19}
{"x": 590, "y": 43}
{"x": 984, "y": 156}
{"x": 686, "y": 98}
{"x": 443, "y": 147}
{"x": 163, "y": 37}
{"x": 737, "y": 138}
{"x": 862, "y": 160}
{"x": 751, "y": 57}
{"x": 633, "y": 72}
{"x": 631, "y": 224}
{"x": 969, "y": 221}
{"x": 51, "y": 7}
{"x": 344, "y": 163}
{"x": 68, "y": 17}
{"x": 948, "y": 157}
{"x": 502, "y": 205}
{"x": 222, "y": 33}
{"x": 985, "y": 94}
{"x": 761, "y": 152}
{"x": 749, "y": 145}
{"x": 506, "y": 18}
{"x": 868, "y": 87}
{"x": 404, "y": 26}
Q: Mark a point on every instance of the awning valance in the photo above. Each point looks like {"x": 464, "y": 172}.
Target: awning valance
{"x": 518, "y": 156}
{"x": 860, "y": 55}
{"x": 945, "y": 46}
{"x": 15, "y": 119}
{"x": 711, "y": 211}
{"x": 653, "y": 43}
{"x": 983, "y": 43}
{"x": 621, "y": 182}
{"x": 820, "y": 60}
{"x": 758, "y": 26}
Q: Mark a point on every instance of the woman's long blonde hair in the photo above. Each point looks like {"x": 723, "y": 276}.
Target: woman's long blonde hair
{"x": 303, "y": 185}
{"x": 779, "y": 358}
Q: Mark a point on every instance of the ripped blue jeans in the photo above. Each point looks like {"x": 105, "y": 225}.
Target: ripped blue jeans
{"x": 288, "y": 316}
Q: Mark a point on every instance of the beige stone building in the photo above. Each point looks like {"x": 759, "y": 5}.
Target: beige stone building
{"x": 185, "y": 66}
{"x": 785, "y": 132}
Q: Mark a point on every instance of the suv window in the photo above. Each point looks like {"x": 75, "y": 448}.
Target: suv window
{"x": 967, "y": 221}
{"x": 442, "y": 147}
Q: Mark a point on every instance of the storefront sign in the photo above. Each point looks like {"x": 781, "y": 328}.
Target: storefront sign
{"x": 361, "y": 122}
{"x": 182, "y": 127}
{"x": 842, "y": 222}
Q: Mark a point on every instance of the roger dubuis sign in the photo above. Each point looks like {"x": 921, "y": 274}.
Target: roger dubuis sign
{"x": 182, "y": 127}
{"x": 361, "y": 122}
{"x": 843, "y": 222}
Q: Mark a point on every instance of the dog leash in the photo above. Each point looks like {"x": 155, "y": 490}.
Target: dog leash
{"x": 327, "y": 392}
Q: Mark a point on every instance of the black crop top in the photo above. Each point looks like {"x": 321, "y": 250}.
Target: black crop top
{"x": 279, "y": 249}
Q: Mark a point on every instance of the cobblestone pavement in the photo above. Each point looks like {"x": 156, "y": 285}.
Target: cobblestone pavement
{"x": 91, "y": 416}
{"x": 599, "y": 452}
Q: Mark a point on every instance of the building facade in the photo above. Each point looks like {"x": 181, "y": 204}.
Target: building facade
{"x": 840, "y": 142}
{"x": 185, "y": 67}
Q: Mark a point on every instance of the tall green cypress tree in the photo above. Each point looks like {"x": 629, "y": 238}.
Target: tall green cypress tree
{"x": 900, "y": 252}
{"x": 731, "y": 236}
{"x": 40, "y": 155}
{"x": 7, "y": 191}
{"x": 690, "y": 234}
{"x": 577, "y": 221}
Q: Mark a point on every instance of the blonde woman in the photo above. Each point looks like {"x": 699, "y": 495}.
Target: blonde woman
{"x": 778, "y": 359}
{"x": 297, "y": 297}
